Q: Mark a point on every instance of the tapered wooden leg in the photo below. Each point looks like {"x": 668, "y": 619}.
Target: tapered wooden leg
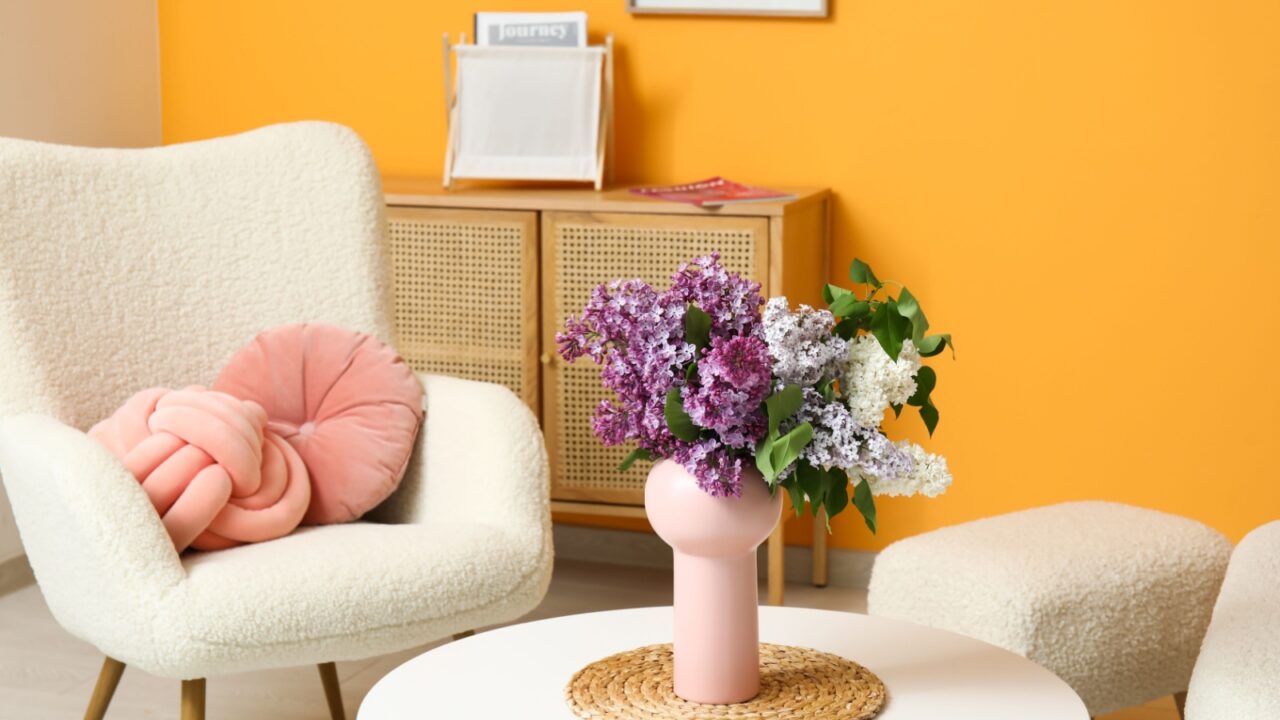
{"x": 777, "y": 570}
{"x": 820, "y": 549}
{"x": 1180, "y": 701}
{"x": 332, "y": 691}
{"x": 193, "y": 699}
{"x": 108, "y": 679}
{"x": 463, "y": 634}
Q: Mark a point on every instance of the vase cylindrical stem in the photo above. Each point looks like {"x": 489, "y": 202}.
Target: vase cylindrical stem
{"x": 716, "y": 640}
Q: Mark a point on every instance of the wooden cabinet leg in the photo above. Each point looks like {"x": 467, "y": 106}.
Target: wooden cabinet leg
{"x": 332, "y": 690}
{"x": 820, "y": 549}
{"x": 1180, "y": 701}
{"x": 463, "y": 634}
{"x": 108, "y": 679}
{"x": 777, "y": 569}
{"x": 193, "y": 699}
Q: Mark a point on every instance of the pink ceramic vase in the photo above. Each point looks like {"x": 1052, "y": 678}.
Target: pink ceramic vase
{"x": 713, "y": 541}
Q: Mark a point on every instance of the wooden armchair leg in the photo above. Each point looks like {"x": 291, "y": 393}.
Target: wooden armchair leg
{"x": 1180, "y": 701}
{"x": 108, "y": 679}
{"x": 332, "y": 691}
{"x": 193, "y": 699}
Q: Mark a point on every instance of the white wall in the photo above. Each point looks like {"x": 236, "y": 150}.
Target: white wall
{"x": 80, "y": 72}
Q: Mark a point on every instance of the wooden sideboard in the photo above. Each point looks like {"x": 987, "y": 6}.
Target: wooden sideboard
{"x": 484, "y": 277}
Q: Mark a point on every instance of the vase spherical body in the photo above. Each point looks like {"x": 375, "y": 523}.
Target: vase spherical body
{"x": 713, "y": 541}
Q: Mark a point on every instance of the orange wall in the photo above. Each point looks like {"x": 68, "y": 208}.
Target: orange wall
{"x": 1086, "y": 193}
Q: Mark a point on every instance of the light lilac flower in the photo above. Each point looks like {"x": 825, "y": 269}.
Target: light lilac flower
{"x": 805, "y": 352}
{"x": 836, "y": 437}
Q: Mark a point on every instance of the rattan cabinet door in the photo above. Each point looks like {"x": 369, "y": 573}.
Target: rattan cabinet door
{"x": 466, "y": 294}
{"x": 580, "y": 251}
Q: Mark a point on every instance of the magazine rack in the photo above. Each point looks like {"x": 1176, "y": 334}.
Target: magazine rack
{"x": 528, "y": 113}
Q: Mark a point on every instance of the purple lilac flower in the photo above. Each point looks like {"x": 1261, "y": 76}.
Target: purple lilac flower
{"x": 637, "y": 335}
{"x": 732, "y": 302}
{"x": 717, "y": 470}
{"x": 804, "y": 349}
{"x": 733, "y": 380}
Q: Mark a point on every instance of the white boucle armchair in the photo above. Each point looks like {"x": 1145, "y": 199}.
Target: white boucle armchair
{"x": 125, "y": 269}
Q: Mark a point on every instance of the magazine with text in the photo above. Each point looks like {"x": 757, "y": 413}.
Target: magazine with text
{"x": 565, "y": 29}
{"x": 713, "y": 192}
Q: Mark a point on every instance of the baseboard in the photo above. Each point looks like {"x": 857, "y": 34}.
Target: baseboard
{"x": 845, "y": 568}
{"x": 15, "y": 574}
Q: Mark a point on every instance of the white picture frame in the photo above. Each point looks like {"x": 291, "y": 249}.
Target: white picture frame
{"x": 781, "y": 8}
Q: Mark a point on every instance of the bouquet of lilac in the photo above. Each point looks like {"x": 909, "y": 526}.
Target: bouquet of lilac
{"x": 709, "y": 375}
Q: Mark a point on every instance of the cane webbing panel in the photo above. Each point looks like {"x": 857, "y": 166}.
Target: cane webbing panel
{"x": 462, "y": 301}
{"x": 587, "y": 250}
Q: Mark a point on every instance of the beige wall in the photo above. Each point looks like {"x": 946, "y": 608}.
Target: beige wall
{"x": 81, "y": 72}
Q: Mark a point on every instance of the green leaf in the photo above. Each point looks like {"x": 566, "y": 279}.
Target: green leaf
{"x": 787, "y": 448}
{"x": 827, "y": 390}
{"x": 850, "y": 306}
{"x": 678, "y": 421}
{"x": 929, "y": 414}
{"x": 832, "y": 292}
{"x": 697, "y": 326}
{"x": 897, "y": 410}
{"x": 909, "y": 308}
{"x": 764, "y": 451}
{"x": 847, "y": 328}
{"x": 811, "y": 480}
{"x": 931, "y": 345}
{"x": 926, "y": 381}
{"x": 782, "y": 405}
{"x": 797, "y": 496}
{"x": 860, "y": 273}
{"x": 866, "y": 504}
{"x": 838, "y": 494}
{"x": 637, "y": 454}
{"x": 890, "y": 328}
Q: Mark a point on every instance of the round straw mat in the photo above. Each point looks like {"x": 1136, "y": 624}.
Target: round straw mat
{"x": 795, "y": 683}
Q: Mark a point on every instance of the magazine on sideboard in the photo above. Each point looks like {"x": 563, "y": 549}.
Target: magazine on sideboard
{"x": 563, "y": 29}
{"x": 713, "y": 192}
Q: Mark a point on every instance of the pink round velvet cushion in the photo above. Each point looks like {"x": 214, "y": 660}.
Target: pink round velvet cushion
{"x": 199, "y": 456}
{"x": 344, "y": 400}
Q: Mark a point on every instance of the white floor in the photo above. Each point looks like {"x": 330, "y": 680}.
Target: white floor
{"x": 45, "y": 673}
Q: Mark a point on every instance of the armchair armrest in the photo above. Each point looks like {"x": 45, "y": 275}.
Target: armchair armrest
{"x": 480, "y": 456}
{"x": 99, "y": 550}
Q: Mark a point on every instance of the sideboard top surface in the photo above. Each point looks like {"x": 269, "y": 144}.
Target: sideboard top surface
{"x": 428, "y": 192}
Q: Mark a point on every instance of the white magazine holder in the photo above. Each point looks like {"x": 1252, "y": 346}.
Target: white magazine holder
{"x": 528, "y": 113}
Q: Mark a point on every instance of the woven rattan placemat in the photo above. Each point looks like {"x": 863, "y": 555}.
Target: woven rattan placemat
{"x": 795, "y": 684}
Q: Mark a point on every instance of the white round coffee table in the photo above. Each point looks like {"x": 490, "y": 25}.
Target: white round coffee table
{"x": 520, "y": 671}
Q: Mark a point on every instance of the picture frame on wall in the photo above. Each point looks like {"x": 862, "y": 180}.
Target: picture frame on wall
{"x": 785, "y": 8}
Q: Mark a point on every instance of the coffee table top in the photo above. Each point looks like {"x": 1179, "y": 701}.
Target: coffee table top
{"x": 521, "y": 670}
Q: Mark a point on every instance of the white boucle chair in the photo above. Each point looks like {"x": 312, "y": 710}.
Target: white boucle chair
{"x": 1237, "y": 676}
{"x": 124, "y": 269}
{"x": 1113, "y": 599}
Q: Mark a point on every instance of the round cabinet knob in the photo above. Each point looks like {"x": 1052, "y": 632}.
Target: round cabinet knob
{"x": 544, "y": 358}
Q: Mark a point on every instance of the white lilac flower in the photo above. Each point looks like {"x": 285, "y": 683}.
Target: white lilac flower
{"x": 929, "y": 475}
{"x": 804, "y": 350}
{"x": 873, "y": 381}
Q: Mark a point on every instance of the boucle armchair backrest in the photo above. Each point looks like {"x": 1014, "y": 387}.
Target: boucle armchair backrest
{"x": 125, "y": 269}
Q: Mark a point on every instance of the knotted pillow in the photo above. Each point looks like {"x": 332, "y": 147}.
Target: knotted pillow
{"x": 212, "y": 470}
{"x": 344, "y": 400}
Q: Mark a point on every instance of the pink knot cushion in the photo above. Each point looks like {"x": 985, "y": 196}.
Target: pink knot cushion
{"x": 344, "y": 400}
{"x": 217, "y": 477}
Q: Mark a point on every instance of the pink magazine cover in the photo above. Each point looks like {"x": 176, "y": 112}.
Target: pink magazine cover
{"x": 712, "y": 192}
